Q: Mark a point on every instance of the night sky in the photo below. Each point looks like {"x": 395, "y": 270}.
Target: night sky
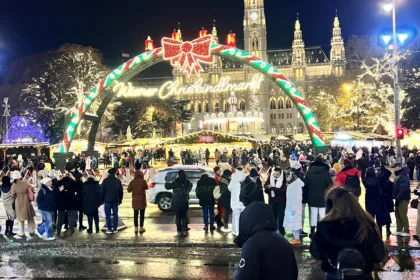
{"x": 28, "y": 26}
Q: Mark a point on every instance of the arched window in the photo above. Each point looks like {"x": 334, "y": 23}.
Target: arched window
{"x": 216, "y": 105}
{"x": 300, "y": 128}
{"x": 281, "y": 103}
{"x": 289, "y": 129}
{"x": 206, "y": 107}
{"x": 225, "y": 105}
{"x": 199, "y": 109}
{"x": 242, "y": 105}
{"x": 273, "y": 129}
{"x": 288, "y": 104}
{"x": 191, "y": 106}
{"x": 281, "y": 129}
{"x": 273, "y": 104}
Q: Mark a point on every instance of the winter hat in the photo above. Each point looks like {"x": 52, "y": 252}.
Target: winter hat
{"x": 347, "y": 163}
{"x": 411, "y": 155}
{"x": 254, "y": 173}
{"x": 227, "y": 173}
{"x": 15, "y": 175}
{"x": 296, "y": 165}
{"x": 112, "y": 171}
{"x": 45, "y": 181}
{"x": 319, "y": 159}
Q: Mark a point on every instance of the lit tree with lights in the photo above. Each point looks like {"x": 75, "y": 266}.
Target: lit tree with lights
{"x": 59, "y": 82}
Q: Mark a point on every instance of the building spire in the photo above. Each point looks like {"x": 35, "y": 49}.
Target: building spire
{"x": 298, "y": 46}
{"x": 337, "y": 55}
{"x": 179, "y": 31}
{"x": 214, "y": 31}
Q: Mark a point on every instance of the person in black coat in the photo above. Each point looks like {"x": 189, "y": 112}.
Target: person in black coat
{"x": 181, "y": 188}
{"x": 78, "y": 189}
{"x": 346, "y": 227}
{"x": 91, "y": 202}
{"x": 66, "y": 203}
{"x": 252, "y": 189}
{"x": 204, "y": 192}
{"x": 402, "y": 195}
{"x": 375, "y": 203}
{"x": 224, "y": 200}
{"x": 112, "y": 196}
{"x": 276, "y": 188}
{"x": 363, "y": 164}
{"x": 317, "y": 181}
{"x": 266, "y": 255}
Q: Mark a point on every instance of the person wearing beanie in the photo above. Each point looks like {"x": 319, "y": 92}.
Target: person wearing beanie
{"x": 8, "y": 201}
{"x": 411, "y": 164}
{"x": 225, "y": 196}
{"x": 252, "y": 189}
{"x": 317, "y": 181}
{"x": 46, "y": 207}
{"x": 112, "y": 196}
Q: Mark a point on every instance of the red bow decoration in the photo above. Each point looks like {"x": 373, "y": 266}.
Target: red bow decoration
{"x": 188, "y": 55}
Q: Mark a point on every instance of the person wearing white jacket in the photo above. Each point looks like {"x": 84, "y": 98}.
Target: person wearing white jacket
{"x": 237, "y": 206}
{"x": 293, "y": 214}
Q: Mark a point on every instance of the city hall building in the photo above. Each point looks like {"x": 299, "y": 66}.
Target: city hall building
{"x": 227, "y": 90}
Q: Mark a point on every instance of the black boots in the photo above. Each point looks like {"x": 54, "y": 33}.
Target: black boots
{"x": 9, "y": 228}
{"x": 312, "y": 232}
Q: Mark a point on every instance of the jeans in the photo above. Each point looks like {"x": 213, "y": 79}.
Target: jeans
{"x": 418, "y": 174}
{"x": 93, "y": 217}
{"x": 181, "y": 221}
{"x": 114, "y": 208}
{"x": 71, "y": 214}
{"x": 401, "y": 216}
{"x": 296, "y": 234}
{"x": 47, "y": 225}
{"x": 136, "y": 218}
{"x": 208, "y": 210}
{"x": 279, "y": 209}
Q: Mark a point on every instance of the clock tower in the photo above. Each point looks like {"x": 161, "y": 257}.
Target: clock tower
{"x": 255, "y": 30}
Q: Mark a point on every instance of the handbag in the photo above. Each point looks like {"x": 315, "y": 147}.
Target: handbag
{"x": 216, "y": 192}
{"x": 414, "y": 203}
{"x": 31, "y": 194}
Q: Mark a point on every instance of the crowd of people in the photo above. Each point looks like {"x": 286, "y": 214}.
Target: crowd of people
{"x": 289, "y": 174}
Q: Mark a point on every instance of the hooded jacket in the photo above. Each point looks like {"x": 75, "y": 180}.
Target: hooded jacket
{"x": 317, "y": 181}
{"x": 204, "y": 190}
{"x": 265, "y": 254}
{"x": 333, "y": 236}
{"x": 138, "y": 187}
{"x": 401, "y": 190}
{"x": 251, "y": 191}
{"x": 181, "y": 188}
{"x": 112, "y": 190}
{"x": 340, "y": 180}
{"x": 235, "y": 189}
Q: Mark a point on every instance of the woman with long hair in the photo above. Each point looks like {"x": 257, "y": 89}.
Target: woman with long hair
{"x": 347, "y": 237}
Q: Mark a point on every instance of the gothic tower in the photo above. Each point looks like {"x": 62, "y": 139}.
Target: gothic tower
{"x": 299, "y": 56}
{"x": 255, "y": 30}
{"x": 338, "y": 55}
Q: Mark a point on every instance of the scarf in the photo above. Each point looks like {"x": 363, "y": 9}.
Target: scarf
{"x": 279, "y": 182}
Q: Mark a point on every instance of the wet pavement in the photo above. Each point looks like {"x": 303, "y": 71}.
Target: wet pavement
{"x": 163, "y": 263}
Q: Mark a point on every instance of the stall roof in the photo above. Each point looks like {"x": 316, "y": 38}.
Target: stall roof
{"x": 218, "y": 138}
{"x": 18, "y": 145}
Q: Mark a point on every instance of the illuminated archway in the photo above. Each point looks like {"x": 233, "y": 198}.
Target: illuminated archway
{"x": 139, "y": 63}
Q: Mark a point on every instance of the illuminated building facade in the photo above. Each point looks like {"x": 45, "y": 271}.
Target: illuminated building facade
{"x": 303, "y": 65}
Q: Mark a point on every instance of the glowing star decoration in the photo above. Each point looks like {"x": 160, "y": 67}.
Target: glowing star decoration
{"x": 188, "y": 55}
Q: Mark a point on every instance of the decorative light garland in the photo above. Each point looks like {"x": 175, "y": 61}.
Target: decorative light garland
{"x": 157, "y": 54}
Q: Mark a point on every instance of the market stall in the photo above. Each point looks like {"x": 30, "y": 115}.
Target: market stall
{"x": 208, "y": 139}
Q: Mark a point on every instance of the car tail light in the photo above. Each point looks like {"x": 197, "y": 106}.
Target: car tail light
{"x": 152, "y": 185}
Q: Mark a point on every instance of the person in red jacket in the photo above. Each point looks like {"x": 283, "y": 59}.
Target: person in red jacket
{"x": 346, "y": 171}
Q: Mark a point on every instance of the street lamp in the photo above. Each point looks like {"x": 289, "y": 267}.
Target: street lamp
{"x": 388, "y": 8}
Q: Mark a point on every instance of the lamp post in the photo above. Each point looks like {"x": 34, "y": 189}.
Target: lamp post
{"x": 388, "y": 8}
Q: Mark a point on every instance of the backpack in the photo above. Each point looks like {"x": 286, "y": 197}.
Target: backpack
{"x": 352, "y": 184}
{"x": 350, "y": 262}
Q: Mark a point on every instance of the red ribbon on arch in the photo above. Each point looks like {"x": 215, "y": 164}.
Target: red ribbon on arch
{"x": 188, "y": 55}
